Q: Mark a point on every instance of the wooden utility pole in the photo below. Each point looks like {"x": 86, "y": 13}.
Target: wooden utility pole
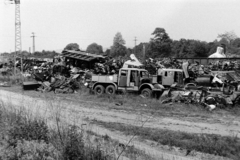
{"x": 33, "y": 36}
{"x": 144, "y": 54}
{"x": 135, "y": 39}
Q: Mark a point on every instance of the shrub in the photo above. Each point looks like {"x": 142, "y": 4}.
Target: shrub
{"x": 28, "y": 130}
{"x": 29, "y": 150}
{"x": 75, "y": 148}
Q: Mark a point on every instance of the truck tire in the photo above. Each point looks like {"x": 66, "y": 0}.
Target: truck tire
{"x": 99, "y": 90}
{"x": 110, "y": 89}
{"x": 146, "y": 93}
{"x": 237, "y": 102}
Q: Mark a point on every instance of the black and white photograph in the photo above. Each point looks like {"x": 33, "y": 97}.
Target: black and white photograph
{"x": 119, "y": 80}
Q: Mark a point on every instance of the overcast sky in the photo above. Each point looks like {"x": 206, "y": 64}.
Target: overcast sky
{"x": 57, "y": 23}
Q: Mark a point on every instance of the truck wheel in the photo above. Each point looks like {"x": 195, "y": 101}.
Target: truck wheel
{"x": 110, "y": 89}
{"x": 146, "y": 93}
{"x": 99, "y": 89}
{"x": 237, "y": 102}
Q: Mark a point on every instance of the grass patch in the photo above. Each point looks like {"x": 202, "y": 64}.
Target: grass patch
{"x": 207, "y": 143}
{"x": 14, "y": 79}
{"x": 25, "y": 137}
{"x": 135, "y": 103}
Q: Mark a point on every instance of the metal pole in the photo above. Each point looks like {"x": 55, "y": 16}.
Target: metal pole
{"x": 18, "y": 42}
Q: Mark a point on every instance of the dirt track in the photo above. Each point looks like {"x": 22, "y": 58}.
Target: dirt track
{"x": 78, "y": 113}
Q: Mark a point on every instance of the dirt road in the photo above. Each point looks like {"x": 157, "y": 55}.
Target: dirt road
{"x": 76, "y": 113}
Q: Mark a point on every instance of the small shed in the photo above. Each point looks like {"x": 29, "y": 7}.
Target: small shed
{"x": 81, "y": 59}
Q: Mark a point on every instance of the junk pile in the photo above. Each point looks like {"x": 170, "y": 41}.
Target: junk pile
{"x": 108, "y": 67}
{"x": 63, "y": 77}
{"x": 220, "y": 65}
{"x": 204, "y": 96}
{"x": 61, "y": 84}
{"x": 60, "y": 79}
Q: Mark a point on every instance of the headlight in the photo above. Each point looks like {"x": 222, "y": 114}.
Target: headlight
{"x": 238, "y": 87}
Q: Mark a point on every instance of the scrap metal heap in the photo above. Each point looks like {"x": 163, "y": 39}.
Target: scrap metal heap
{"x": 62, "y": 77}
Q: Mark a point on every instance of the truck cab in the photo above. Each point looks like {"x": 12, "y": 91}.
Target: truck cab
{"x": 167, "y": 77}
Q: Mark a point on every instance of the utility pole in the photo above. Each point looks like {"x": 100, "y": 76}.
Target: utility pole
{"x": 135, "y": 39}
{"x": 144, "y": 54}
{"x": 33, "y": 36}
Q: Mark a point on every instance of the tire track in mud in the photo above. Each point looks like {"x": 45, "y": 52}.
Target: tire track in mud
{"x": 77, "y": 114}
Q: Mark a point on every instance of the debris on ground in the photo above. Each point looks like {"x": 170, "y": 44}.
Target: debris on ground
{"x": 66, "y": 73}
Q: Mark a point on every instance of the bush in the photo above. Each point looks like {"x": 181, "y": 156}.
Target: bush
{"x": 75, "y": 148}
{"x": 29, "y": 150}
{"x": 28, "y": 130}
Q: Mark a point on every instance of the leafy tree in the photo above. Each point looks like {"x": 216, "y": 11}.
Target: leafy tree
{"x": 201, "y": 49}
{"x": 139, "y": 51}
{"x": 72, "y": 46}
{"x": 213, "y": 47}
{"x": 178, "y": 47}
{"x": 160, "y": 45}
{"x": 236, "y": 43}
{"x": 229, "y": 36}
{"x": 25, "y": 53}
{"x": 186, "y": 48}
{"x": 107, "y": 52}
{"x": 118, "y": 48}
{"x": 44, "y": 54}
{"x": 94, "y": 48}
{"x": 118, "y": 39}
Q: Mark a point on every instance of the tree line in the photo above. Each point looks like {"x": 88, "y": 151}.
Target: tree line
{"x": 37, "y": 54}
{"x": 161, "y": 45}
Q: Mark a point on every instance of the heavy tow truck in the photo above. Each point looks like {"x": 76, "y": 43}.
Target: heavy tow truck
{"x": 127, "y": 80}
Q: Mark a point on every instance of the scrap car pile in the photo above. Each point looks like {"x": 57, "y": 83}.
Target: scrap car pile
{"x": 212, "y": 84}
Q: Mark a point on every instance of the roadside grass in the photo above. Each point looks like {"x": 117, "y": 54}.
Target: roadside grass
{"x": 225, "y": 146}
{"x": 133, "y": 102}
{"x": 14, "y": 79}
{"x": 24, "y": 136}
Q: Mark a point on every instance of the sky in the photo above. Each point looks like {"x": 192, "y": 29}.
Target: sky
{"x": 57, "y": 23}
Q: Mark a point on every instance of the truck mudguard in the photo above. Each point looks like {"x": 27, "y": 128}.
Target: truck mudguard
{"x": 104, "y": 84}
{"x": 153, "y": 87}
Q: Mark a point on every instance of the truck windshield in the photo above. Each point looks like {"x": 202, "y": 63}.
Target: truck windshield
{"x": 144, "y": 74}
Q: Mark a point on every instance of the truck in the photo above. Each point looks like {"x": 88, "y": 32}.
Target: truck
{"x": 168, "y": 77}
{"x": 127, "y": 80}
